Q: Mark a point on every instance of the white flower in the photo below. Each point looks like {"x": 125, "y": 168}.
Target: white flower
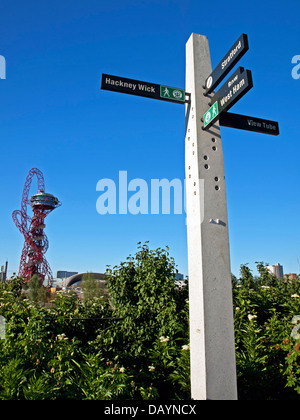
{"x": 151, "y": 368}
{"x": 250, "y": 317}
{"x": 122, "y": 369}
{"x": 185, "y": 347}
{"x": 164, "y": 339}
{"x": 295, "y": 296}
{"x": 61, "y": 337}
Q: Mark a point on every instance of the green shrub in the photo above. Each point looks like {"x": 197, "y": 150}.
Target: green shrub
{"x": 135, "y": 345}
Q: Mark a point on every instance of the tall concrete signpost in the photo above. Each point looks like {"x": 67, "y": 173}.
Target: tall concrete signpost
{"x": 212, "y": 345}
{"x": 213, "y": 368}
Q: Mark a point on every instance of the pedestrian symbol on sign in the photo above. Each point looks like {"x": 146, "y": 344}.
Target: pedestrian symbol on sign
{"x": 211, "y": 114}
{"x": 215, "y": 109}
{"x": 166, "y": 92}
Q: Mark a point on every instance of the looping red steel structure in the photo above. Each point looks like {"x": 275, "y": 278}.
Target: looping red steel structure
{"x": 36, "y": 243}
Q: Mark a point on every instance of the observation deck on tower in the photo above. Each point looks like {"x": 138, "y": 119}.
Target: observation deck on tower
{"x": 45, "y": 200}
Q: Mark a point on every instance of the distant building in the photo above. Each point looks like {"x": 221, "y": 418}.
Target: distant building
{"x": 3, "y": 272}
{"x": 290, "y": 276}
{"x": 78, "y": 277}
{"x": 65, "y": 274}
{"x": 277, "y": 270}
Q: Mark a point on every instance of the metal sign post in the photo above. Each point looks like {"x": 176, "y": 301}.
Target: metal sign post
{"x": 212, "y": 346}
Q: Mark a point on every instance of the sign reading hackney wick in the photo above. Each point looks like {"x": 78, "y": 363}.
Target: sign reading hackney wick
{"x": 139, "y": 88}
{"x": 212, "y": 346}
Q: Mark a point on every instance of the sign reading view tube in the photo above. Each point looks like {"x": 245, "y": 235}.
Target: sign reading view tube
{"x": 244, "y": 122}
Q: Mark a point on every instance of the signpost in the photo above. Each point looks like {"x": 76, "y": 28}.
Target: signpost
{"x": 259, "y": 125}
{"x": 212, "y": 346}
{"x": 233, "y": 90}
{"x": 139, "y": 88}
{"x": 236, "y": 52}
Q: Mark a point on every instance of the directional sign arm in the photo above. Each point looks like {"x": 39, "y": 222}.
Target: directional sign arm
{"x": 140, "y": 88}
{"x": 244, "y": 122}
{"x": 244, "y": 90}
{"x": 232, "y": 90}
{"x": 236, "y": 52}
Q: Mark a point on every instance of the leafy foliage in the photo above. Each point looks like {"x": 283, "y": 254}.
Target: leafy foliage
{"x": 135, "y": 345}
{"x": 264, "y": 307}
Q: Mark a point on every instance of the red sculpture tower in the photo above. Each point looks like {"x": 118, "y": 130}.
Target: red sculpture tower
{"x": 33, "y": 259}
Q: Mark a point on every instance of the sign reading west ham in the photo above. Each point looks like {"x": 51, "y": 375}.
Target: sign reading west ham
{"x": 232, "y": 90}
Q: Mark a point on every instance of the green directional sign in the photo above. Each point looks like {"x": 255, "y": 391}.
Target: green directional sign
{"x": 211, "y": 114}
{"x": 232, "y": 90}
{"x": 174, "y": 94}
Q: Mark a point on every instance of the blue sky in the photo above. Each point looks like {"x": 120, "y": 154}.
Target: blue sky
{"x": 55, "y": 117}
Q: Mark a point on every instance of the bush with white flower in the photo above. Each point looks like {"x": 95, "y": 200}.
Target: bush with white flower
{"x": 136, "y": 344}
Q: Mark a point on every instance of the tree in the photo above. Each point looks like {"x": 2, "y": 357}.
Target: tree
{"x": 144, "y": 295}
{"x": 153, "y": 330}
{"x": 91, "y": 287}
{"x": 37, "y": 292}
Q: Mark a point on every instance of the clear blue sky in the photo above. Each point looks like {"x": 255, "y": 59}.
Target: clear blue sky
{"x": 55, "y": 117}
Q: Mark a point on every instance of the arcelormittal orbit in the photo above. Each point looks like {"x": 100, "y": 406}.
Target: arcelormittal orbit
{"x": 33, "y": 259}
